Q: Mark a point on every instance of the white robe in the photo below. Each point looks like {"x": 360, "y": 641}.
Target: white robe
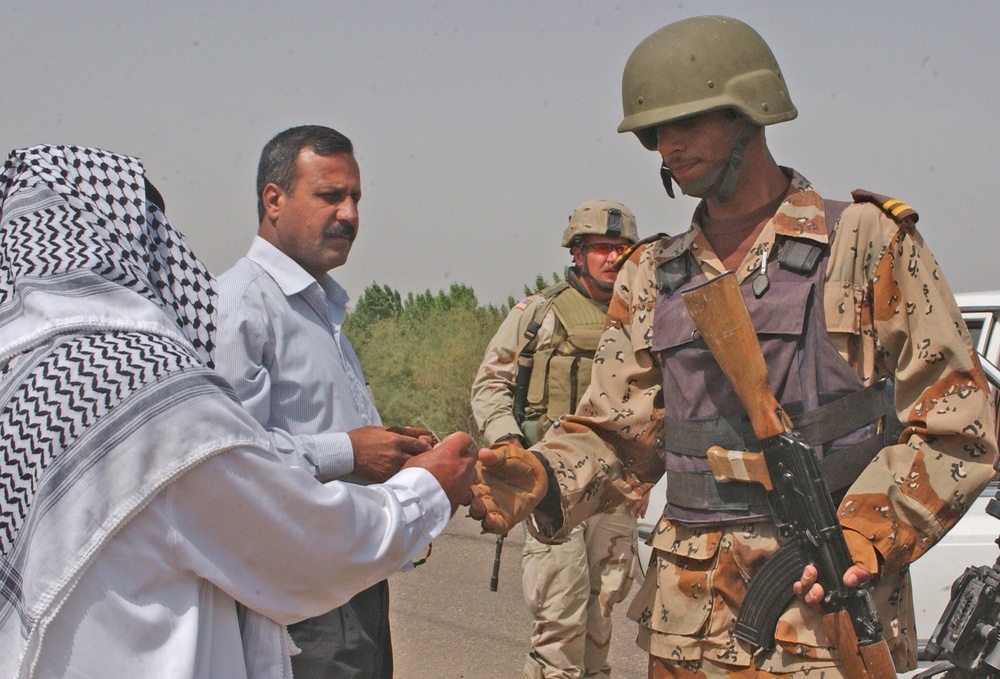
{"x": 158, "y": 599}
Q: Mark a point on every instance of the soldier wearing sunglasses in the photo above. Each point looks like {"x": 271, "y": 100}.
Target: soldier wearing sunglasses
{"x": 570, "y": 588}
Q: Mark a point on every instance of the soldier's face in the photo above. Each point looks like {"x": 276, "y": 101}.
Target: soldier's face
{"x": 596, "y": 255}
{"x": 696, "y": 146}
{"x": 316, "y": 223}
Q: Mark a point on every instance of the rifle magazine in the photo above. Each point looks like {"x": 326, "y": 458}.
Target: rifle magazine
{"x": 763, "y": 603}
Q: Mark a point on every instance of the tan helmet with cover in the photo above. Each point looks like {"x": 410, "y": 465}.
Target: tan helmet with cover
{"x": 697, "y": 65}
{"x": 600, "y": 218}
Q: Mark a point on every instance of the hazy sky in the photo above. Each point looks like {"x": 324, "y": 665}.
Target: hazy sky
{"x": 479, "y": 126}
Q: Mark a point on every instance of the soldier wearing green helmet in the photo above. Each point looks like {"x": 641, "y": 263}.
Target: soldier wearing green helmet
{"x": 846, "y": 300}
{"x": 535, "y": 370}
{"x": 681, "y": 71}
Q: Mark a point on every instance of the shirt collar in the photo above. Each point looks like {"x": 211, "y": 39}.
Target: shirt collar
{"x": 293, "y": 279}
{"x": 801, "y": 215}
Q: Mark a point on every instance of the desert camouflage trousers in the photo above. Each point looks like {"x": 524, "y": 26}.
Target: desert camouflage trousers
{"x": 689, "y": 600}
{"x": 570, "y": 590}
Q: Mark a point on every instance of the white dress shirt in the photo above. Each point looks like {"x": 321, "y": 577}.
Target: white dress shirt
{"x": 279, "y": 344}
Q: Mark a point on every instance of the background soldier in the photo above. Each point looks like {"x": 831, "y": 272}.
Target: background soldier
{"x": 842, "y": 297}
{"x": 536, "y": 369}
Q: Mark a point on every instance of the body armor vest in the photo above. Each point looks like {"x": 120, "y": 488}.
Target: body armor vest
{"x": 821, "y": 393}
{"x": 560, "y": 373}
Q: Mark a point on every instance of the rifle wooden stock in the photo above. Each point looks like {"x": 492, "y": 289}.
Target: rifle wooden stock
{"x": 873, "y": 660}
{"x": 721, "y": 316}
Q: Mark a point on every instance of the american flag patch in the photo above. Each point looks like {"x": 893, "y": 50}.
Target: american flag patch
{"x": 523, "y": 304}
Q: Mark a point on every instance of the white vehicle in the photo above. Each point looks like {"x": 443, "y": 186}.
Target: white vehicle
{"x": 972, "y": 542}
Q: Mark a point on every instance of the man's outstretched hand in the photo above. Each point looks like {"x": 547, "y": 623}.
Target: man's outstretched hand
{"x": 510, "y": 482}
{"x": 453, "y": 464}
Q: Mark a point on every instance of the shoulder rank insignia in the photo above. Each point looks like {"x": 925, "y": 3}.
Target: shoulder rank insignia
{"x": 899, "y": 211}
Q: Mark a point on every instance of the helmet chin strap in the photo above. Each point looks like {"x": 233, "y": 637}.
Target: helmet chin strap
{"x": 584, "y": 271}
{"x": 719, "y": 183}
{"x": 666, "y": 177}
{"x": 601, "y": 285}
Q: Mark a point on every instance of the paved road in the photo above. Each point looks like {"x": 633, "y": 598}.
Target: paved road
{"x": 446, "y": 624}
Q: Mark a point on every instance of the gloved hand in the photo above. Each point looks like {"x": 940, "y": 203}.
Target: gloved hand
{"x": 510, "y": 482}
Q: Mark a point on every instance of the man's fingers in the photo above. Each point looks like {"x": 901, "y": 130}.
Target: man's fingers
{"x": 488, "y": 457}
{"x": 811, "y": 591}
{"x": 459, "y": 443}
{"x": 477, "y": 508}
{"x": 494, "y": 522}
{"x": 807, "y": 588}
{"x": 815, "y": 595}
{"x": 410, "y": 446}
{"x": 466, "y": 498}
{"x": 856, "y": 576}
{"x": 491, "y": 521}
{"x": 414, "y": 432}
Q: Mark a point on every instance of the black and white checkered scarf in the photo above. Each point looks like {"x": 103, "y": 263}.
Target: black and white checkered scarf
{"x": 106, "y": 391}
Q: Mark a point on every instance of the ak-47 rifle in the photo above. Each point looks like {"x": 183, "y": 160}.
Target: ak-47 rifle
{"x": 968, "y": 634}
{"x": 800, "y": 501}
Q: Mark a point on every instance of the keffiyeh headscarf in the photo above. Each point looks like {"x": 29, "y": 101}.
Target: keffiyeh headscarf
{"x": 106, "y": 391}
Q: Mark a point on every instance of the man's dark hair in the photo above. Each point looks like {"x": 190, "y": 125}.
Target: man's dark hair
{"x": 277, "y": 160}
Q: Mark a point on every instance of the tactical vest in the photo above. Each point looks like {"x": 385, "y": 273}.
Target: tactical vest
{"x": 560, "y": 373}
{"x": 818, "y": 389}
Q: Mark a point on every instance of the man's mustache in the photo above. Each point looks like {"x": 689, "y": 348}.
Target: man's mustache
{"x": 341, "y": 230}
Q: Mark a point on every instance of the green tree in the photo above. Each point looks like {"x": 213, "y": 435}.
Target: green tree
{"x": 420, "y": 355}
{"x": 375, "y": 304}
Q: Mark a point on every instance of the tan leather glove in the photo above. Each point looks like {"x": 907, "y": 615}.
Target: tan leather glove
{"x": 510, "y": 482}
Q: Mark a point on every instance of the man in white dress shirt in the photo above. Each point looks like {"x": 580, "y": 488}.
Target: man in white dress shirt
{"x": 139, "y": 502}
{"x": 281, "y": 347}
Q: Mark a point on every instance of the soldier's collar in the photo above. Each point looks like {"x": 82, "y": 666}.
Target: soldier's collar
{"x": 802, "y": 213}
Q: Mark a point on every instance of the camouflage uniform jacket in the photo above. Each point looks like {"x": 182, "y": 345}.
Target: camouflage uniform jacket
{"x": 889, "y": 312}
{"x": 493, "y": 387}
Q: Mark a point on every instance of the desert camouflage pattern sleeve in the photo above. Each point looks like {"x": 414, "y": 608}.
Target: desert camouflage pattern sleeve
{"x": 610, "y": 447}
{"x": 893, "y": 313}
{"x": 493, "y": 387}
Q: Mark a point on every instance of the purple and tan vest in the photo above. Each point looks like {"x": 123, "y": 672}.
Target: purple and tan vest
{"x": 823, "y": 396}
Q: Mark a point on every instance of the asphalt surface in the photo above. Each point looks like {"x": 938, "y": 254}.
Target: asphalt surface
{"x": 446, "y": 624}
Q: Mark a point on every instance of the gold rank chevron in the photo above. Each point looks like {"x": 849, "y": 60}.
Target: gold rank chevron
{"x": 895, "y": 207}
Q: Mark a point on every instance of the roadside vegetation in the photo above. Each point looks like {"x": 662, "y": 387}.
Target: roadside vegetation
{"x": 421, "y": 352}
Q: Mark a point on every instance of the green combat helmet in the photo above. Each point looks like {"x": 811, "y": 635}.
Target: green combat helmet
{"x": 600, "y": 218}
{"x": 697, "y": 65}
